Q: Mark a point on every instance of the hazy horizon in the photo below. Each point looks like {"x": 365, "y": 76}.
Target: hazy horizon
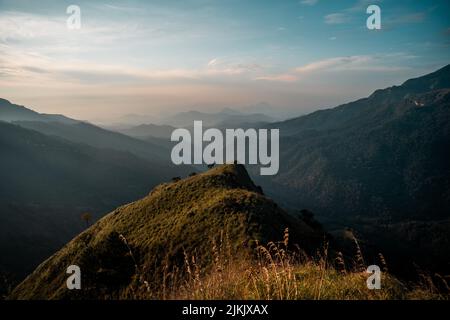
{"x": 158, "y": 58}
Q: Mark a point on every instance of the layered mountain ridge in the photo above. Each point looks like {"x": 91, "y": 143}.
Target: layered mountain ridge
{"x": 382, "y": 156}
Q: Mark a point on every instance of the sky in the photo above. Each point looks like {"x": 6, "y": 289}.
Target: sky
{"x": 159, "y": 57}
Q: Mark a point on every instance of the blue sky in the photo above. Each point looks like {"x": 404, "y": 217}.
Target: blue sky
{"x": 157, "y": 57}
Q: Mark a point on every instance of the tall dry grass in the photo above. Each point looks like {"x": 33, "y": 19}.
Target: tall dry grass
{"x": 277, "y": 272}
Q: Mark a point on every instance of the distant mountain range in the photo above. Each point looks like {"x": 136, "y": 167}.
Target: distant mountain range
{"x": 149, "y": 130}
{"x": 251, "y": 115}
{"x": 159, "y": 134}
{"x": 223, "y": 119}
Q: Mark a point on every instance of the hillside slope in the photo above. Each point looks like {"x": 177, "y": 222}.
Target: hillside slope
{"x": 94, "y": 136}
{"x": 139, "y": 239}
{"x": 386, "y": 156}
{"x": 47, "y": 182}
{"x": 12, "y": 112}
{"x": 379, "y": 165}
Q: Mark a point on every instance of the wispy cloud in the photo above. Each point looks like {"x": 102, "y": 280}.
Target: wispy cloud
{"x": 39, "y": 31}
{"x": 279, "y": 78}
{"x": 379, "y": 63}
{"x": 17, "y": 66}
{"x": 333, "y": 63}
{"x": 121, "y": 8}
{"x": 416, "y": 17}
{"x": 345, "y": 15}
{"x": 213, "y": 62}
{"x": 309, "y": 2}
{"x": 336, "y": 18}
{"x": 361, "y": 5}
{"x": 357, "y": 63}
{"x": 227, "y": 67}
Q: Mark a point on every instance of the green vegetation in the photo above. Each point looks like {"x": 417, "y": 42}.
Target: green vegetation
{"x": 86, "y": 217}
{"x": 175, "y": 219}
{"x": 205, "y": 237}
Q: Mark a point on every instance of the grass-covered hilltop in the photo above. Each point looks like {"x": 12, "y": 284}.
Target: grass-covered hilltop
{"x": 213, "y": 235}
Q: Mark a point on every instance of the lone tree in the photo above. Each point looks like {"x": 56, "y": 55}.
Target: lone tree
{"x": 86, "y": 217}
{"x": 260, "y": 190}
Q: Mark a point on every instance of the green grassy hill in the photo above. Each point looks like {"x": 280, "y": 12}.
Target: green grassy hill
{"x": 206, "y": 237}
{"x": 178, "y": 218}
